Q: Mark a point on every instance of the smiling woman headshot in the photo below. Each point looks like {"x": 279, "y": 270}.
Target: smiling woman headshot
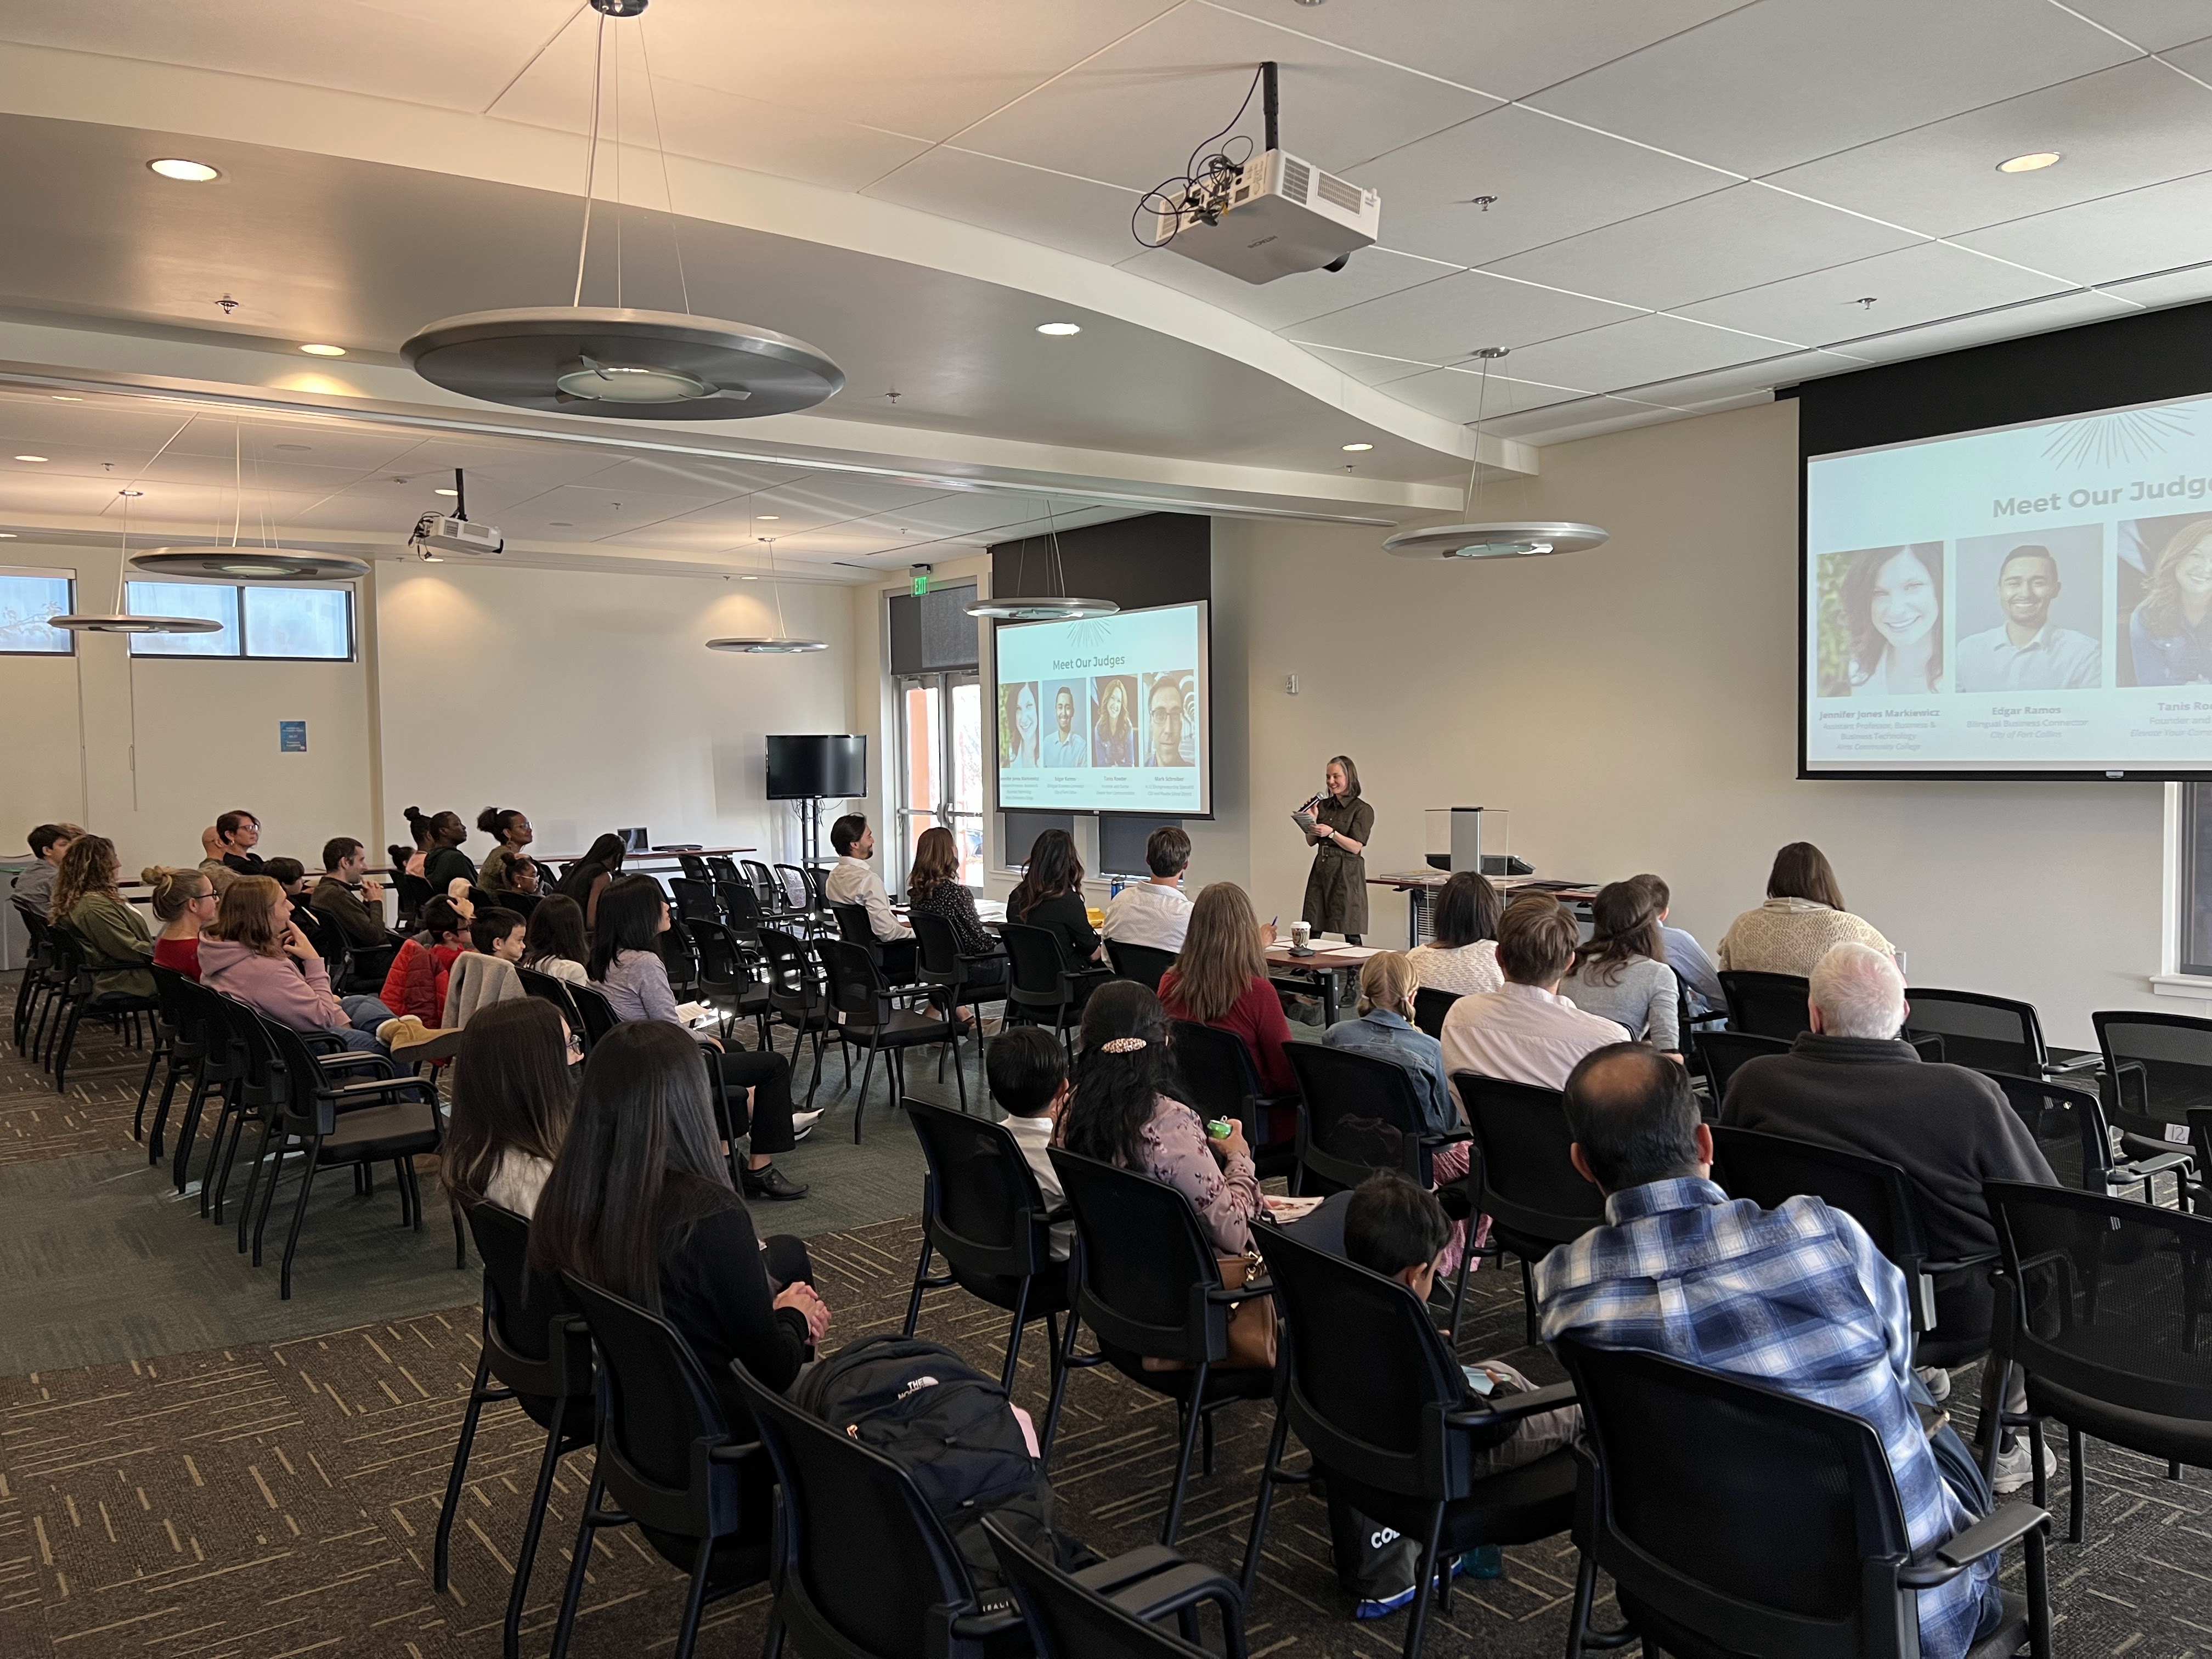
{"x": 1882, "y": 621}
{"x": 2170, "y": 633}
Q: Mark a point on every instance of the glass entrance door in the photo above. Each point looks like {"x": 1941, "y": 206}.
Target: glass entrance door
{"x": 940, "y": 768}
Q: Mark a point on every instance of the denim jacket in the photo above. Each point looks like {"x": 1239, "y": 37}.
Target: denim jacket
{"x": 1388, "y": 1036}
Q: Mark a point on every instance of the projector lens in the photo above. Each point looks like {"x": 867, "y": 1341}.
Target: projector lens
{"x": 630, "y": 383}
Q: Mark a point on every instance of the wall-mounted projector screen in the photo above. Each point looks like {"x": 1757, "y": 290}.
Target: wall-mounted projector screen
{"x": 2028, "y": 601}
{"x": 1112, "y": 714}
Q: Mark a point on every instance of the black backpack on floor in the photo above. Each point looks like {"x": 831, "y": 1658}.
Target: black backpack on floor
{"x": 953, "y": 1431}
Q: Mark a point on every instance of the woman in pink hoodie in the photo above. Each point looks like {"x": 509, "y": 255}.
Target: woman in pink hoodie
{"x": 255, "y": 953}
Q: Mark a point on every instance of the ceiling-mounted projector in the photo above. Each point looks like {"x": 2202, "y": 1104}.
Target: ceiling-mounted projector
{"x": 1275, "y": 217}
{"x": 437, "y": 534}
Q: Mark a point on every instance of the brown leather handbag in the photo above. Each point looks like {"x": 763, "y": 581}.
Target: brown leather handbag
{"x": 1251, "y": 1321}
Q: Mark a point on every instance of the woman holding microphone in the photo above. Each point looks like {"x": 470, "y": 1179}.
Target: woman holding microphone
{"x": 1336, "y": 891}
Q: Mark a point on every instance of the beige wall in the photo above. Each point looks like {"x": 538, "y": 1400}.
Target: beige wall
{"x": 1635, "y": 708}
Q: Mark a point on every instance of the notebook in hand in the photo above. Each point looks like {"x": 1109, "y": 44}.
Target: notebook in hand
{"x": 1305, "y": 820}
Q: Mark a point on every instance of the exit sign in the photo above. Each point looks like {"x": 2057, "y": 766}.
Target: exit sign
{"x": 920, "y": 583}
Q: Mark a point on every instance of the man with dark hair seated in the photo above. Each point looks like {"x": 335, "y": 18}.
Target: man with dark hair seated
{"x": 1796, "y": 1298}
{"x": 352, "y": 902}
{"x": 1155, "y": 913}
{"x": 34, "y": 888}
{"x": 853, "y": 883}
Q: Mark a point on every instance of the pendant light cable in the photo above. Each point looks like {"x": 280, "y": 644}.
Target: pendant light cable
{"x": 591, "y": 157}
{"x": 660, "y": 148}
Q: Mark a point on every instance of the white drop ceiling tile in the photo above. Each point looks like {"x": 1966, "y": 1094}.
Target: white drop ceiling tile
{"x": 1732, "y": 239}
{"x": 1628, "y": 356}
{"x": 1369, "y": 368}
{"x": 1452, "y": 395}
{"x": 2135, "y": 232}
{"x": 1134, "y": 112}
{"x": 1454, "y": 317}
{"x": 1760, "y": 376}
{"x": 2154, "y": 25}
{"x": 2170, "y": 288}
{"x": 611, "y": 513}
{"x": 1774, "y": 84}
{"x": 1552, "y": 179}
{"x": 1074, "y": 215}
{"x": 1505, "y": 47}
{"x": 1912, "y": 286}
{"x": 1588, "y": 418}
{"x": 2118, "y": 129}
{"x": 1287, "y": 300}
{"x": 2040, "y": 317}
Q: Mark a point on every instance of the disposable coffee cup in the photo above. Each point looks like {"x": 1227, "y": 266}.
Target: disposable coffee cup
{"x": 1301, "y": 934}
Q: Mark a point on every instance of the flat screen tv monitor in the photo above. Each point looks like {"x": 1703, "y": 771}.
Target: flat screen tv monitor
{"x": 830, "y": 767}
{"x": 2029, "y": 600}
{"x": 1107, "y": 714}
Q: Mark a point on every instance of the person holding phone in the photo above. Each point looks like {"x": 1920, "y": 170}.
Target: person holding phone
{"x": 1336, "y": 888}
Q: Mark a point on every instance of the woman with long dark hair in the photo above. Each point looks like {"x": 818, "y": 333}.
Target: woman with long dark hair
{"x": 1125, "y": 1113}
{"x": 88, "y": 898}
{"x": 512, "y": 831}
{"x": 1621, "y": 973}
{"x": 1462, "y": 954}
{"x": 590, "y": 876}
{"x": 1893, "y": 602}
{"x": 1050, "y": 896}
{"x": 510, "y": 1099}
{"x": 640, "y": 1204}
{"x": 1803, "y": 916}
{"x": 627, "y": 965}
{"x": 556, "y": 943}
{"x": 1343, "y": 824}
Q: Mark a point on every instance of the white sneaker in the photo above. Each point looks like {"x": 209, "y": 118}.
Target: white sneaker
{"x": 802, "y": 1124}
{"x": 1935, "y": 1380}
{"x": 2013, "y": 1471}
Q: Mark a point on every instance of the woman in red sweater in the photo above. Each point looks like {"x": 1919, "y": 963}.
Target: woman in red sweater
{"x": 184, "y": 902}
{"x": 416, "y": 983}
{"x": 1221, "y": 980}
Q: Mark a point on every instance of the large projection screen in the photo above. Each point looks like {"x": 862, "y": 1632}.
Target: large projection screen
{"x": 1109, "y": 714}
{"x": 2032, "y": 600}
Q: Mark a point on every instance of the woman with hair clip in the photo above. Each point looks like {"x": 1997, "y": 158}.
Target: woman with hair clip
{"x": 1124, "y": 1113}
{"x": 556, "y": 943}
{"x": 1221, "y": 980}
{"x": 440, "y": 835}
{"x": 1050, "y": 896}
{"x": 1621, "y": 973}
{"x": 626, "y": 964}
{"x": 512, "y": 832}
{"x": 185, "y": 903}
{"x": 640, "y": 1204}
{"x": 88, "y": 900}
{"x": 590, "y": 876}
{"x": 1343, "y": 824}
{"x": 510, "y": 1096}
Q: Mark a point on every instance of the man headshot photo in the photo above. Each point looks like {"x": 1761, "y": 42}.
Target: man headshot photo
{"x": 1066, "y": 743}
{"x": 1170, "y": 712}
{"x": 2028, "y": 652}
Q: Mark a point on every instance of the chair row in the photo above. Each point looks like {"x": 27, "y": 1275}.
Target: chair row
{"x": 58, "y": 990}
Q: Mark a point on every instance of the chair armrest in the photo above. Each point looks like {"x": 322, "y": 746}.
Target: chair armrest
{"x": 982, "y": 1625}
{"x": 2143, "y": 1168}
{"x": 1513, "y": 1407}
{"x": 1121, "y": 1571}
{"x": 1183, "y": 1585}
{"x": 322, "y": 1043}
{"x": 1937, "y": 1269}
{"x": 1985, "y": 1537}
{"x": 355, "y": 1059}
{"x": 1242, "y": 1293}
{"x": 735, "y": 1451}
{"x": 1454, "y": 1137}
{"x": 368, "y": 1088}
{"x": 2079, "y": 1063}
{"x": 1059, "y": 1212}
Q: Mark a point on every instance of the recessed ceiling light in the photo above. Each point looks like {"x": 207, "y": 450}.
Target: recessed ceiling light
{"x": 769, "y": 517}
{"x": 1060, "y": 331}
{"x": 64, "y": 398}
{"x": 1354, "y": 449}
{"x": 190, "y": 172}
{"x": 7, "y": 535}
{"x": 749, "y": 579}
{"x": 2034, "y": 163}
{"x": 323, "y": 350}
{"x": 445, "y": 492}
{"x": 30, "y": 458}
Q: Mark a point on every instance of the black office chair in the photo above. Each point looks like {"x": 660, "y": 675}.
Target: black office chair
{"x": 2103, "y": 1305}
{"x": 2068, "y": 1121}
{"x": 1142, "y": 962}
{"x": 769, "y": 891}
{"x": 599, "y": 1014}
{"x": 1220, "y": 1081}
{"x": 799, "y": 901}
{"x": 2158, "y": 1067}
{"x": 1102, "y": 1612}
{"x": 1735, "y": 1518}
{"x": 1989, "y": 1034}
{"x": 549, "y": 987}
{"x": 695, "y": 898}
{"x": 696, "y": 1488}
{"x": 729, "y": 975}
{"x": 249, "y": 1078}
{"x": 37, "y": 981}
{"x": 854, "y": 927}
{"x": 1382, "y": 1406}
{"x": 536, "y": 1353}
{"x": 1040, "y": 981}
{"x": 79, "y": 969}
{"x": 956, "y": 981}
{"x": 1721, "y": 1053}
{"x": 722, "y": 868}
{"x": 868, "y": 1018}
{"x": 213, "y": 1075}
{"x": 1360, "y": 1114}
{"x": 982, "y": 1211}
{"x": 1765, "y": 1005}
{"x": 694, "y": 867}
{"x": 183, "y": 1043}
{"x": 798, "y": 999}
{"x": 1520, "y": 1177}
{"x": 1429, "y": 1008}
{"x": 1145, "y": 1275}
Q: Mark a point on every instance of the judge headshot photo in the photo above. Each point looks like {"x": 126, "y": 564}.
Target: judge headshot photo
{"x": 1066, "y": 743}
{"x": 1017, "y": 724}
{"x": 1171, "y": 719}
{"x": 1882, "y": 621}
{"x": 2038, "y": 588}
{"x": 2168, "y": 634}
{"x": 1114, "y": 720}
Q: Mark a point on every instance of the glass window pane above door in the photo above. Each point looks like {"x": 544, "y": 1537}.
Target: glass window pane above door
{"x": 299, "y": 622}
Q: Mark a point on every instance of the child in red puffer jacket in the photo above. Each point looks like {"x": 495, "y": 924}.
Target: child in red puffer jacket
{"x": 416, "y": 983}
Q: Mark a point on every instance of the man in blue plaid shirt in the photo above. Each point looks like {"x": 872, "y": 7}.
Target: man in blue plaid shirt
{"x": 1796, "y": 1298}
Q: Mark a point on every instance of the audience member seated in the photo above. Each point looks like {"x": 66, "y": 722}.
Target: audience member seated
{"x": 418, "y": 979}
{"x": 1028, "y": 1073}
{"x": 1050, "y": 896}
{"x": 522, "y": 876}
{"x": 626, "y": 963}
{"x": 1621, "y": 973}
{"x": 1221, "y": 980}
{"x": 289, "y": 874}
{"x": 257, "y": 953}
{"x": 236, "y": 834}
{"x": 1154, "y": 914}
{"x": 1385, "y": 1029}
{"x": 1121, "y": 1114}
{"x": 1701, "y": 981}
{"x": 555, "y": 943}
{"x": 34, "y": 888}
{"x": 1795, "y": 1299}
{"x": 483, "y": 976}
{"x": 589, "y": 876}
{"x": 87, "y": 895}
{"x": 512, "y": 832}
{"x": 933, "y": 888}
{"x": 1852, "y": 1084}
{"x": 439, "y": 836}
{"x": 1525, "y": 1031}
{"x": 509, "y": 1101}
{"x": 184, "y": 902}
{"x": 851, "y": 882}
{"x": 348, "y": 898}
{"x": 640, "y": 1204}
{"x": 1462, "y": 956}
{"x": 1803, "y": 916}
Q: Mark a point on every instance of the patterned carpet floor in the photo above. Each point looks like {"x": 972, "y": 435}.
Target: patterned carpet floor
{"x": 276, "y": 1497}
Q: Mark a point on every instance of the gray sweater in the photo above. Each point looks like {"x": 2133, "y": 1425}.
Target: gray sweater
{"x": 1642, "y": 999}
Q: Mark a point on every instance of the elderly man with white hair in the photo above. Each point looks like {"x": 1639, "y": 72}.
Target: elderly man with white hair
{"x": 1851, "y": 1083}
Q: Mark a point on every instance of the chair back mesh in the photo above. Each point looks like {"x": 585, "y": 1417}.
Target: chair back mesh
{"x": 741, "y": 905}
{"x": 765, "y": 887}
{"x": 521, "y": 1309}
{"x": 983, "y": 1209}
{"x": 599, "y": 1013}
{"x": 1361, "y": 1115}
{"x": 935, "y": 944}
{"x": 2112, "y": 1298}
{"x": 1143, "y": 963}
{"x": 722, "y": 868}
{"x": 696, "y": 898}
{"x": 1724, "y": 1052}
{"x": 656, "y": 1402}
{"x": 853, "y": 925}
{"x": 1143, "y": 1256}
{"x": 1526, "y": 1181}
{"x": 1429, "y": 1008}
{"x": 1216, "y": 1068}
{"x": 1036, "y": 965}
{"x": 855, "y": 987}
{"x": 870, "y": 1560}
{"x": 1765, "y": 1005}
{"x": 1771, "y": 1169}
{"x": 1066, "y": 1618}
{"x": 2068, "y": 1122}
{"x": 694, "y": 867}
{"x": 795, "y": 989}
{"x": 2158, "y": 1066}
{"x": 547, "y": 987}
{"x": 791, "y": 882}
{"x": 1989, "y": 1034}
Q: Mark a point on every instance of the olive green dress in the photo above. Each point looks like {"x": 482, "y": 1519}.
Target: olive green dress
{"x": 1336, "y": 891}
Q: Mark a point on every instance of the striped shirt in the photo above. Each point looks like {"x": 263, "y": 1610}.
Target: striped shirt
{"x": 1796, "y": 1298}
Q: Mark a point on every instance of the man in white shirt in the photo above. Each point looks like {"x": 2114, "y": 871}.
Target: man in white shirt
{"x": 1065, "y": 745}
{"x": 1156, "y": 913}
{"x": 2027, "y": 653}
{"x": 1526, "y": 1031}
{"x": 853, "y": 883}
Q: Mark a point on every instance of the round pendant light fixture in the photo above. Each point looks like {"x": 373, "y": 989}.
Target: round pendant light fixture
{"x": 780, "y": 644}
{"x": 1513, "y": 539}
{"x": 615, "y": 361}
{"x": 252, "y": 564}
{"x": 1042, "y": 607}
{"x": 119, "y": 620}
